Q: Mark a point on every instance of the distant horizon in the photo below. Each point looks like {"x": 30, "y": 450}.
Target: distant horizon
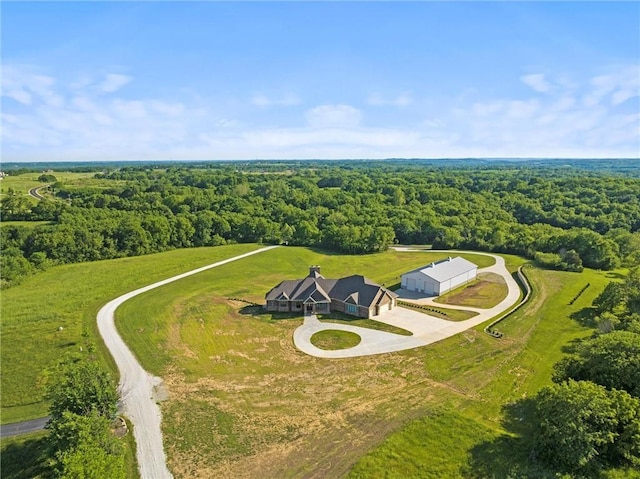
{"x": 226, "y": 81}
{"x": 324, "y": 160}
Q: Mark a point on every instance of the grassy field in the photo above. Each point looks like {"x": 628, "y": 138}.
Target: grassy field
{"x": 243, "y": 402}
{"x": 486, "y": 292}
{"x": 331, "y": 340}
{"x": 340, "y": 318}
{"x": 440, "y": 312}
{"x": 23, "y": 457}
{"x": 70, "y": 296}
{"x": 23, "y": 183}
{"x": 28, "y": 224}
{"x": 480, "y": 428}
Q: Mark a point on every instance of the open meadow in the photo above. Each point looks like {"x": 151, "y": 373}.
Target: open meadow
{"x": 243, "y": 402}
{"x": 21, "y": 184}
{"x": 69, "y": 297}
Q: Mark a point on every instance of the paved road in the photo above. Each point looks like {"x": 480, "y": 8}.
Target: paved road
{"x": 426, "y": 329}
{"x": 25, "y": 427}
{"x": 137, "y": 386}
{"x": 34, "y": 192}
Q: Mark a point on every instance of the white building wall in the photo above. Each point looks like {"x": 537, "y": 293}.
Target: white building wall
{"x": 419, "y": 282}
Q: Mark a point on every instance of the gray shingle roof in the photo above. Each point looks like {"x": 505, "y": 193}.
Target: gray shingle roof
{"x": 358, "y": 289}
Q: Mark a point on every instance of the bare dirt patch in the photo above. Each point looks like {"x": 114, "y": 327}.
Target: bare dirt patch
{"x": 487, "y": 291}
{"x": 266, "y": 410}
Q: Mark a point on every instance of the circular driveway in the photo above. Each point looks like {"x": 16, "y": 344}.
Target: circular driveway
{"x": 425, "y": 329}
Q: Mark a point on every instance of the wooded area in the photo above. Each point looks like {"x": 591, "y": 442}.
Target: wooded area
{"x": 566, "y": 218}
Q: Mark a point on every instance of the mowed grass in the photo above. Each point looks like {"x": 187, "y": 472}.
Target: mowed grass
{"x": 24, "y": 457}
{"x": 333, "y": 339}
{"x": 240, "y": 373}
{"x": 472, "y": 437}
{"x": 151, "y": 322}
{"x": 244, "y": 402}
{"x": 70, "y": 296}
{"x": 243, "y": 399}
{"x": 485, "y": 292}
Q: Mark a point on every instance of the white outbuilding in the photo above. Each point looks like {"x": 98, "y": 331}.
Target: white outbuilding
{"x": 438, "y": 278}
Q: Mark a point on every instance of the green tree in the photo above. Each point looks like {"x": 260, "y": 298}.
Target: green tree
{"x": 582, "y": 426}
{"x": 82, "y": 387}
{"x": 610, "y": 299}
{"x": 85, "y": 448}
{"x": 611, "y": 360}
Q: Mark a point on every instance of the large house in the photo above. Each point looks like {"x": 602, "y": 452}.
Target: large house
{"x": 438, "y": 278}
{"x": 354, "y": 295}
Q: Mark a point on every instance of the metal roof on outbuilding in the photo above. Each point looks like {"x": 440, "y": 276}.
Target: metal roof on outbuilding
{"x": 446, "y": 269}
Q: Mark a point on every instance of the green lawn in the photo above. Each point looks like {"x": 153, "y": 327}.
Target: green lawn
{"x": 489, "y": 374}
{"x": 485, "y": 292}
{"x": 243, "y": 400}
{"x": 338, "y": 318}
{"x": 24, "y": 457}
{"x": 23, "y": 183}
{"x": 441, "y": 312}
{"x": 70, "y": 296}
{"x": 333, "y": 339}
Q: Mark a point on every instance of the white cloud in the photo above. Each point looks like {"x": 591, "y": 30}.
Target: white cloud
{"x": 618, "y": 86}
{"x": 404, "y": 99}
{"x": 19, "y": 95}
{"x": 522, "y": 109}
{"x": 86, "y": 124}
{"x": 333, "y": 116}
{"x": 264, "y": 101}
{"x": 25, "y": 85}
{"x": 113, "y": 82}
{"x": 537, "y": 82}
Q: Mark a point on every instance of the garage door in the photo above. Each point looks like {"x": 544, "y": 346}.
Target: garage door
{"x": 411, "y": 284}
{"x": 429, "y": 288}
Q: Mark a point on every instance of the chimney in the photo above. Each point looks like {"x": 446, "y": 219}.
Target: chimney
{"x": 313, "y": 270}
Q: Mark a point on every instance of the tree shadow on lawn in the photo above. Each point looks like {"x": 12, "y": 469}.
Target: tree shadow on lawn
{"x": 261, "y": 313}
{"x": 25, "y": 460}
{"x": 585, "y": 317}
{"x": 510, "y": 455}
{"x": 614, "y": 275}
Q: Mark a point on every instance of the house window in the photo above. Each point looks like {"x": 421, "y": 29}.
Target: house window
{"x": 283, "y": 304}
{"x": 352, "y": 308}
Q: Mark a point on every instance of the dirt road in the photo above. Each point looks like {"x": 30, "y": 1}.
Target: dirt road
{"x": 137, "y": 387}
{"x": 34, "y": 192}
{"x": 24, "y": 427}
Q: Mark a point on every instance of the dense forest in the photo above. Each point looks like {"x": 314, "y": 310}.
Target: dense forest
{"x": 563, "y": 217}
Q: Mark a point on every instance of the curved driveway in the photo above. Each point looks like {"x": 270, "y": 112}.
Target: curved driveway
{"x": 137, "y": 387}
{"x": 34, "y": 192}
{"x": 426, "y": 329}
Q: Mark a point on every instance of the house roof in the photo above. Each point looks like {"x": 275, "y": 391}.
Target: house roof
{"x": 355, "y": 289}
{"x": 446, "y": 269}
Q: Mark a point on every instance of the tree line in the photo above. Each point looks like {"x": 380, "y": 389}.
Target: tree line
{"x": 563, "y": 218}
{"x": 589, "y": 420}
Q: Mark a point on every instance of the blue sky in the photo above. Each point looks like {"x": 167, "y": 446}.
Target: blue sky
{"x": 244, "y": 80}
